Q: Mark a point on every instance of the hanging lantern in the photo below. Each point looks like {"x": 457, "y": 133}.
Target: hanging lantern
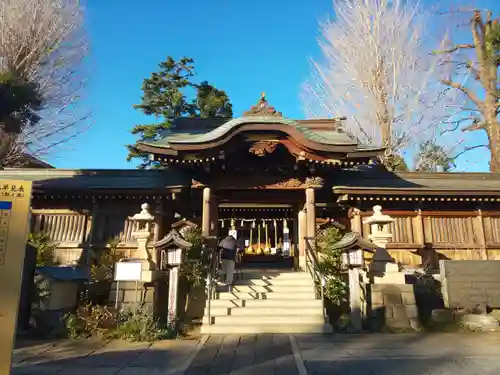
{"x": 253, "y": 224}
{"x": 233, "y": 227}
{"x": 222, "y": 223}
{"x": 242, "y": 224}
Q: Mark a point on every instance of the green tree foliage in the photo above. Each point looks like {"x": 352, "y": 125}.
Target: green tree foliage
{"x": 45, "y": 249}
{"x": 433, "y": 157}
{"x": 166, "y": 97}
{"x": 20, "y": 100}
{"x": 395, "y": 163}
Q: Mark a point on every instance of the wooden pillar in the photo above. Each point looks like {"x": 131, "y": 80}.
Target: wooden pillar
{"x": 206, "y": 212}
{"x": 158, "y": 228}
{"x": 480, "y": 235}
{"x": 418, "y": 225}
{"x": 214, "y": 216}
{"x": 302, "y": 232}
{"x": 311, "y": 213}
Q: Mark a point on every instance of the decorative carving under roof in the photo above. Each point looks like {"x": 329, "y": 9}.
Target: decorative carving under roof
{"x": 262, "y": 108}
{"x": 262, "y": 148}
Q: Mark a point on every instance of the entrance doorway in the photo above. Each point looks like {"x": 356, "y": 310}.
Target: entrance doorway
{"x": 266, "y": 233}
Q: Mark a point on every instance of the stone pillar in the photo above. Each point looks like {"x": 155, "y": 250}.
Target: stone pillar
{"x": 311, "y": 213}
{"x": 356, "y": 223}
{"x": 355, "y": 299}
{"x": 206, "y": 212}
{"x": 302, "y": 232}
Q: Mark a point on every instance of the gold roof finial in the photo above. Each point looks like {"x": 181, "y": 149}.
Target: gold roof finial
{"x": 262, "y": 108}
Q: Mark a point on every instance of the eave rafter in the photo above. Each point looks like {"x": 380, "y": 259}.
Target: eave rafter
{"x": 417, "y": 198}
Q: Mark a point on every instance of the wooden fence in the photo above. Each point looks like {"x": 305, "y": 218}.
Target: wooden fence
{"x": 424, "y": 237}
{"x": 419, "y": 237}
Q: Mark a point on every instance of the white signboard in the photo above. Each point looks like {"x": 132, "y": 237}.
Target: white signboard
{"x": 174, "y": 257}
{"x": 234, "y": 233}
{"x": 128, "y": 271}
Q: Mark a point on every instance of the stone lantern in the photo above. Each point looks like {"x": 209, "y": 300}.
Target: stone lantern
{"x": 142, "y": 233}
{"x": 383, "y": 265}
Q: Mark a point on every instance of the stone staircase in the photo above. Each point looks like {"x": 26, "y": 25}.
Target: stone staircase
{"x": 266, "y": 301}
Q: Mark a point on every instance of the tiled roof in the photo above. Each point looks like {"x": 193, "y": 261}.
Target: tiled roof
{"x": 64, "y": 179}
{"x": 212, "y": 129}
{"x": 373, "y": 181}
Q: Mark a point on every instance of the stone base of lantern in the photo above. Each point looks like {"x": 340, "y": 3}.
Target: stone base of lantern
{"x": 386, "y": 273}
{"x": 152, "y": 296}
{"x": 131, "y": 295}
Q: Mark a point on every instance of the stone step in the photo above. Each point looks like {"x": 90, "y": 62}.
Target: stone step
{"x": 267, "y": 296}
{"x": 266, "y": 275}
{"x": 264, "y": 310}
{"x": 286, "y": 281}
{"x": 286, "y": 328}
{"x": 298, "y": 288}
{"x": 265, "y": 319}
{"x": 268, "y": 303}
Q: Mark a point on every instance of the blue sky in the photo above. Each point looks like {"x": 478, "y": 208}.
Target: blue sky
{"x": 244, "y": 47}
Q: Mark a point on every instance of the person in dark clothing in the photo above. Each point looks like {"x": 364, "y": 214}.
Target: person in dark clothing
{"x": 229, "y": 247}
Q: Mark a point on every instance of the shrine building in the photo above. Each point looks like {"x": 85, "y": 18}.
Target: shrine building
{"x": 270, "y": 181}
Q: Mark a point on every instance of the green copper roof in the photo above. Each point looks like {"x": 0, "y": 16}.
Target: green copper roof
{"x": 199, "y": 136}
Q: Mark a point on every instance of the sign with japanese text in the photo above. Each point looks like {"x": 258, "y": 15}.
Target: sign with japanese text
{"x": 15, "y": 199}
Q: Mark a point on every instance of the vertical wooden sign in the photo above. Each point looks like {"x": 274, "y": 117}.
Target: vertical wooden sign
{"x": 15, "y": 198}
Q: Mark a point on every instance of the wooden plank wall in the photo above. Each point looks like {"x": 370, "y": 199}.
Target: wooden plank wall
{"x": 418, "y": 236}
{"x": 424, "y": 237}
{"x": 76, "y": 231}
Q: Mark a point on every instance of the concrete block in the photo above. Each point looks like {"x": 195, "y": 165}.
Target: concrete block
{"x": 377, "y": 298}
{"x": 408, "y": 298}
{"x": 411, "y": 311}
{"x": 399, "y": 313}
{"x": 442, "y": 316}
{"x": 389, "y": 313}
{"x": 396, "y": 323}
{"x": 415, "y": 324}
{"x": 392, "y": 299}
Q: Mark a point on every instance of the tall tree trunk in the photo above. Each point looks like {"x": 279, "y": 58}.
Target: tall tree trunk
{"x": 494, "y": 144}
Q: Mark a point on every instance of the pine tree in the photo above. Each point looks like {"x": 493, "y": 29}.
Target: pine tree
{"x": 165, "y": 97}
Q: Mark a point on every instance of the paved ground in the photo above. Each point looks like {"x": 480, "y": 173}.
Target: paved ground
{"x": 405, "y": 354}
{"x": 91, "y": 357}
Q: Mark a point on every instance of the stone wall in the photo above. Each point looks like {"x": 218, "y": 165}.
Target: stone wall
{"x": 470, "y": 284}
{"x": 393, "y": 306}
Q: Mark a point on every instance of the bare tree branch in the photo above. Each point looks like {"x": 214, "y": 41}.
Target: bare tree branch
{"x": 467, "y": 149}
{"x": 453, "y": 49}
{"x": 43, "y": 43}
{"x": 375, "y": 71}
{"x": 473, "y": 98}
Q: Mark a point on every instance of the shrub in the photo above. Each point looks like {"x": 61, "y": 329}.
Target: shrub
{"x": 330, "y": 263}
{"x": 90, "y": 321}
{"x": 139, "y": 325}
{"x": 45, "y": 249}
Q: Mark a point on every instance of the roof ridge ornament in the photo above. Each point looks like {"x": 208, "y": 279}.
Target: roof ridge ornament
{"x": 262, "y": 108}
